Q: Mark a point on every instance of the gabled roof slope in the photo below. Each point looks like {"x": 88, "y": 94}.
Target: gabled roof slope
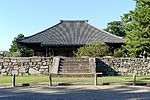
{"x": 71, "y": 32}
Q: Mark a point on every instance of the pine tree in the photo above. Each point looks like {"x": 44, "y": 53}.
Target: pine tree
{"x": 115, "y": 27}
{"x": 137, "y": 27}
{"x": 19, "y": 50}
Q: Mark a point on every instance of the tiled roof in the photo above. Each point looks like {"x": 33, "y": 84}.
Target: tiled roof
{"x": 71, "y": 32}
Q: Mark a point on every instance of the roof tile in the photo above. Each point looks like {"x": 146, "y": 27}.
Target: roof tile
{"x": 72, "y": 33}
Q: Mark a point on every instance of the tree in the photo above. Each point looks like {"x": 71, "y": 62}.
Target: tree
{"x": 93, "y": 50}
{"x": 115, "y": 28}
{"x": 19, "y": 50}
{"x": 137, "y": 27}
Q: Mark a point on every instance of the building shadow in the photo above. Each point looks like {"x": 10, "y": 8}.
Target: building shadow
{"x": 104, "y": 68}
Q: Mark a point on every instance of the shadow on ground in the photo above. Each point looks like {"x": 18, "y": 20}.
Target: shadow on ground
{"x": 76, "y": 93}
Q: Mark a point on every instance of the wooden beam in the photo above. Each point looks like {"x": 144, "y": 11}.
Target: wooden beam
{"x": 75, "y": 73}
{"x": 95, "y": 74}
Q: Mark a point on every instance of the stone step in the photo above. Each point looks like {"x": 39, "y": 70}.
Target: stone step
{"x": 74, "y": 59}
{"x": 74, "y": 71}
{"x": 84, "y": 62}
{"x": 74, "y": 65}
{"x": 70, "y": 64}
{"x": 65, "y": 67}
{"x": 84, "y": 70}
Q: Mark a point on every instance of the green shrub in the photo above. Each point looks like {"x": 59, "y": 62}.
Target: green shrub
{"x": 16, "y": 54}
{"x": 93, "y": 50}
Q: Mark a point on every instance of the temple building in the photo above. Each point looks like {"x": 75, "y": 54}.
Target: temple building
{"x": 64, "y": 38}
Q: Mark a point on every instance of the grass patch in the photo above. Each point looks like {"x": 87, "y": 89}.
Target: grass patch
{"x": 103, "y": 79}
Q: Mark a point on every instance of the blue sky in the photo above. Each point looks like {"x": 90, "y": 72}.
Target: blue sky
{"x": 31, "y": 16}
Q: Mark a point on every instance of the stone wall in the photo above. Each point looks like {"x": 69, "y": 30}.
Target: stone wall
{"x": 25, "y": 65}
{"x": 123, "y": 66}
{"x": 43, "y": 65}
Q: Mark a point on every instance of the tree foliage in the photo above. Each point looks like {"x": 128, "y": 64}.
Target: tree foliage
{"x": 93, "y": 50}
{"x": 137, "y": 27}
{"x": 18, "y": 50}
{"x": 115, "y": 28}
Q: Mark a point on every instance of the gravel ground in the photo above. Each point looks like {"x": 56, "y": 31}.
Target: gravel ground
{"x": 109, "y": 92}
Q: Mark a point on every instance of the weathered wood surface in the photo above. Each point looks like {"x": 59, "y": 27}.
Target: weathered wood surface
{"x": 95, "y": 78}
{"x": 75, "y": 73}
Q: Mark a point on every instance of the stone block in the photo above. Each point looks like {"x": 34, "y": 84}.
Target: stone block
{"x": 41, "y": 70}
{"x": 6, "y": 60}
{"x": 4, "y": 74}
{"x": 5, "y": 67}
{"x": 5, "y": 63}
{"x": 39, "y": 63}
{"x": 15, "y": 66}
{"x": 23, "y": 59}
{"x": 15, "y": 72}
{"x": 122, "y": 69}
{"x": 44, "y": 67}
{"x": 55, "y": 64}
{"x": 3, "y": 70}
{"x": 1, "y": 67}
{"x": 92, "y": 65}
{"x": 148, "y": 65}
{"x": 37, "y": 66}
{"x": 9, "y": 63}
{"x": 22, "y": 70}
{"x": 36, "y": 60}
{"x": 13, "y": 60}
{"x": 44, "y": 63}
{"x": 2, "y": 60}
{"x": 33, "y": 71}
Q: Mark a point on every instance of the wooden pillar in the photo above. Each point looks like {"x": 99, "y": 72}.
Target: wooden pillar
{"x": 46, "y": 51}
{"x": 73, "y": 50}
{"x": 34, "y": 53}
{"x": 53, "y": 52}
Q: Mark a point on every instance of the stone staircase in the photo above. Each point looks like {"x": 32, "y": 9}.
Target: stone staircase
{"x": 72, "y": 65}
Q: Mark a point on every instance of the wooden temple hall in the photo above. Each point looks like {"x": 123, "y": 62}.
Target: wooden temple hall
{"x": 64, "y": 38}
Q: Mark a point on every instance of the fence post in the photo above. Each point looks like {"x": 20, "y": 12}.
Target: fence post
{"x": 50, "y": 79}
{"x": 134, "y": 78}
{"x": 95, "y": 80}
{"x": 13, "y": 80}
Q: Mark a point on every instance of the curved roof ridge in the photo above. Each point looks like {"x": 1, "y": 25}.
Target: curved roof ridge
{"x": 105, "y": 31}
{"x": 73, "y": 20}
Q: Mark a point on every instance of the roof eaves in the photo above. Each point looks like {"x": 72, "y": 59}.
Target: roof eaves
{"x": 105, "y": 31}
{"x": 38, "y": 33}
{"x": 63, "y": 44}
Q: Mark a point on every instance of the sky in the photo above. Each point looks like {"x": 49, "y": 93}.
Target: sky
{"x": 32, "y": 16}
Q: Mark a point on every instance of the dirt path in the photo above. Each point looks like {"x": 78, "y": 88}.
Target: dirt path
{"x": 109, "y": 92}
